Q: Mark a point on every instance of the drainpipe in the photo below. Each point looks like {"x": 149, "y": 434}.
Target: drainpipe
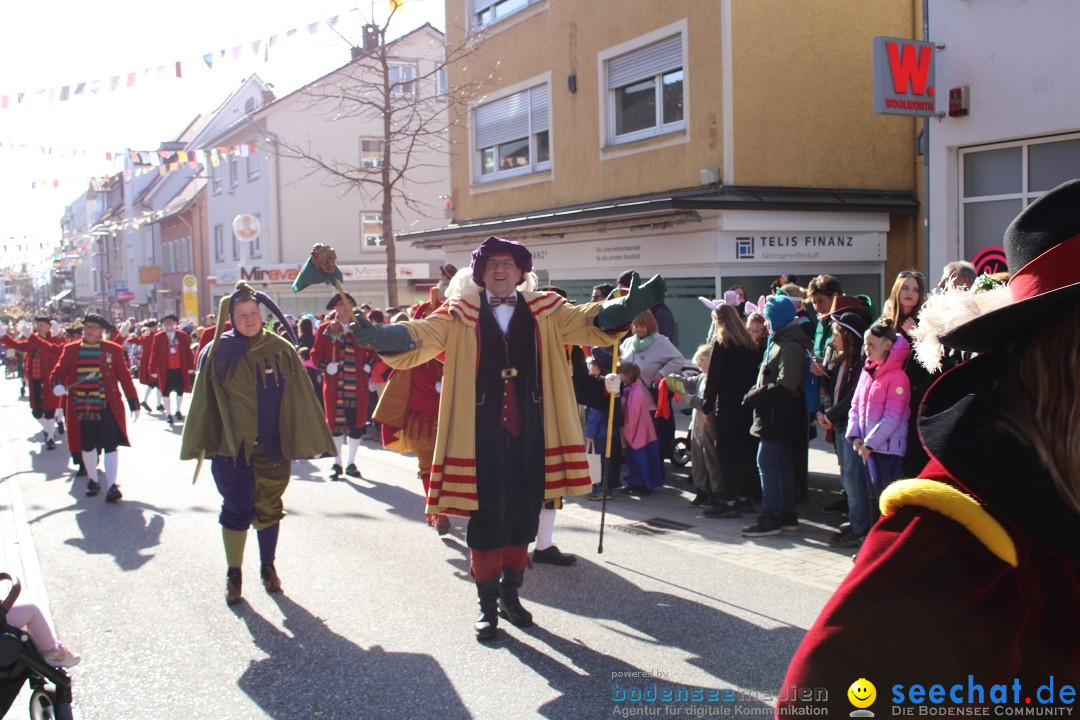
{"x": 926, "y": 156}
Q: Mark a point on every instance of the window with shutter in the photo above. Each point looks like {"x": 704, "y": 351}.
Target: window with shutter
{"x": 645, "y": 91}
{"x": 512, "y": 134}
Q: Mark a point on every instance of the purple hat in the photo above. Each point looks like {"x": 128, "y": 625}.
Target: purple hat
{"x": 493, "y": 246}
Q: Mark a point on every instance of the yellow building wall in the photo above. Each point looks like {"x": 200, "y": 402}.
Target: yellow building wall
{"x": 803, "y": 95}
{"x": 566, "y": 38}
{"x": 802, "y": 99}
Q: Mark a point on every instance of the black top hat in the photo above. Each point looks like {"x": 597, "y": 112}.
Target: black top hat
{"x": 170, "y": 316}
{"x": 1042, "y": 246}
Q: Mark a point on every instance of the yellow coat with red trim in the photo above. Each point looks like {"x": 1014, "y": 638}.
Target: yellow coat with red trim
{"x": 453, "y": 329}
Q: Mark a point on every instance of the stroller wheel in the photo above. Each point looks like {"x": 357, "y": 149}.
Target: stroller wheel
{"x": 43, "y": 706}
{"x": 680, "y": 452}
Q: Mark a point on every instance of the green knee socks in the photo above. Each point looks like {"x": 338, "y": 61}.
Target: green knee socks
{"x": 234, "y": 546}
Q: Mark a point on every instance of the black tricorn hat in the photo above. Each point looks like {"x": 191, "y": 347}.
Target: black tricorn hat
{"x": 334, "y": 300}
{"x": 98, "y": 320}
{"x": 1042, "y": 247}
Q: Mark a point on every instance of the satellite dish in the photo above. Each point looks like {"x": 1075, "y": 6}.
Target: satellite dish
{"x": 246, "y": 227}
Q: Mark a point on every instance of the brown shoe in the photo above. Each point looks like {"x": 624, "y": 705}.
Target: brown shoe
{"x": 270, "y": 580}
{"x": 442, "y": 524}
{"x": 233, "y": 582}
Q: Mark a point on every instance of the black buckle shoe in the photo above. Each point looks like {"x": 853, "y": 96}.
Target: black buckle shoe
{"x": 553, "y": 556}
{"x": 114, "y": 494}
{"x": 351, "y": 471}
{"x": 335, "y": 474}
{"x": 93, "y": 488}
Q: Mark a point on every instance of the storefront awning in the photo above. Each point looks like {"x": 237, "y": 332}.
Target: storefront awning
{"x": 668, "y": 207}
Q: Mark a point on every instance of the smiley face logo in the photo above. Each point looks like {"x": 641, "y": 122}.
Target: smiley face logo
{"x": 862, "y": 693}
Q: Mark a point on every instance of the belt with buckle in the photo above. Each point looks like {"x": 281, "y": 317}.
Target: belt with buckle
{"x": 507, "y": 373}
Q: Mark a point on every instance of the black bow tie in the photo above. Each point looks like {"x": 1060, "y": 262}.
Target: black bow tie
{"x": 510, "y": 300}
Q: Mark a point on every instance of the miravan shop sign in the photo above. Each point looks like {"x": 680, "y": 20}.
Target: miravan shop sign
{"x": 791, "y": 247}
{"x": 285, "y": 273}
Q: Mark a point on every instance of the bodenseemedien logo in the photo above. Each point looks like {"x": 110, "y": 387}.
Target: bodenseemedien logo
{"x": 862, "y": 694}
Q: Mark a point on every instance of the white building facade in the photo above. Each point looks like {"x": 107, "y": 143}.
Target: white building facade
{"x": 1021, "y": 137}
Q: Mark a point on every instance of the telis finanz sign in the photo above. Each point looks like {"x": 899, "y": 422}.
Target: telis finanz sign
{"x": 904, "y": 77}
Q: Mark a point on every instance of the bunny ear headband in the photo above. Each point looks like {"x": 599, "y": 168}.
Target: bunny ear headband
{"x": 730, "y": 298}
{"x": 755, "y": 308}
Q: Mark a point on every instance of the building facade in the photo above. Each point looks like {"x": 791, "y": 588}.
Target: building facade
{"x": 715, "y": 143}
{"x": 295, "y": 181}
{"x": 1021, "y": 135}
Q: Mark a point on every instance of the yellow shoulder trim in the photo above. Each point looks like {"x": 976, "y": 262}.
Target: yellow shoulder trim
{"x": 950, "y": 502}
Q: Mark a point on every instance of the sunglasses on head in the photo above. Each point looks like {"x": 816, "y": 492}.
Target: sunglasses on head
{"x": 911, "y": 273}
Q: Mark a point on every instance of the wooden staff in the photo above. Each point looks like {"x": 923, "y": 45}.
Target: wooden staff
{"x": 607, "y": 451}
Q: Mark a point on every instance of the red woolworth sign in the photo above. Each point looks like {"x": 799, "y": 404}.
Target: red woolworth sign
{"x": 903, "y": 77}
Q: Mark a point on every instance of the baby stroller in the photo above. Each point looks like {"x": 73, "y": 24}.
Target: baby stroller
{"x": 20, "y": 661}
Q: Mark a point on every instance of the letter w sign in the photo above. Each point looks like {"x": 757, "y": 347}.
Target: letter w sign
{"x": 903, "y": 77}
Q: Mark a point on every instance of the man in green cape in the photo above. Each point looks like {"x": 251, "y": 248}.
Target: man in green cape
{"x": 253, "y": 412}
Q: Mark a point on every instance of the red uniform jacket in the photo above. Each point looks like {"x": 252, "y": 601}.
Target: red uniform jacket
{"x": 207, "y": 335}
{"x": 117, "y": 377}
{"x": 146, "y": 375}
{"x": 928, "y": 604}
{"x": 49, "y": 351}
{"x": 159, "y": 357}
{"x": 324, "y": 352}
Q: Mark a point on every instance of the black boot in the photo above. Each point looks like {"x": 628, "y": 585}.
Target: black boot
{"x": 509, "y": 604}
{"x": 485, "y": 625}
{"x": 233, "y": 584}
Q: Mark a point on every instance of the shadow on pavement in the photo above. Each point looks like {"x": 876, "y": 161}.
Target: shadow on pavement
{"x": 121, "y": 530}
{"x": 312, "y": 671}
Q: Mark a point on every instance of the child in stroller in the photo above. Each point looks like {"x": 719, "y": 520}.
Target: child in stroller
{"x": 22, "y": 660}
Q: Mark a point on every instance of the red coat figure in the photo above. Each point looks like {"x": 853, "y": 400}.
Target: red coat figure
{"x": 161, "y": 348}
{"x": 40, "y": 356}
{"x": 146, "y": 376}
{"x": 117, "y": 378}
{"x": 346, "y": 369}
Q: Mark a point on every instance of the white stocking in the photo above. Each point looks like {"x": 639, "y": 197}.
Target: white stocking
{"x": 89, "y": 459}
{"x": 354, "y": 443}
{"x": 111, "y": 462}
{"x": 50, "y": 428}
{"x": 339, "y": 441}
{"x": 167, "y": 402}
{"x": 546, "y": 529}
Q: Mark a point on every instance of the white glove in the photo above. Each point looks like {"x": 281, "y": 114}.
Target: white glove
{"x": 125, "y": 328}
{"x": 331, "y": 368}
{"x": 25, "y": 328}
{"x": 55, "y": 328}
{"x": 367, "y": 368}
{"x": 59, "y": 390}
{"x": 3, "y": 330}
{"x": 134, "y": 414}
{"x": 612, "y": 383}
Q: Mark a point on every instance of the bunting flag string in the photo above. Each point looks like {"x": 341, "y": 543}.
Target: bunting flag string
{"x": 114, "y": 83}
{"x": 162, "y": 162}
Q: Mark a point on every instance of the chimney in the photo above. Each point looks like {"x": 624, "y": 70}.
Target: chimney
{"x": 371, "y": 37}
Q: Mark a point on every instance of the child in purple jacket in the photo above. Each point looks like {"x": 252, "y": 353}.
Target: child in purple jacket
{"x": 877, "y": 423}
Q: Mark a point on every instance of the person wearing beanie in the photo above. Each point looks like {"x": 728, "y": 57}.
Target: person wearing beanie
{"x": 509, "y": 436}
{"x": 779, "y": 417}
{"x": 94, "y": 379}
{"x": 173, "y": 363}
{"x": 346, "y": 369}
{"x": 253, "y": 411}
{"x": 42, "y": 351}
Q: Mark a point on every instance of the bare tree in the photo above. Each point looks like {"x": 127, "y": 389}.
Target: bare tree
{"x": 415, "y": 111}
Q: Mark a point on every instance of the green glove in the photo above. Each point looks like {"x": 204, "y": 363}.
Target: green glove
{"x": 388, "y": 339}
{"x": 639, "y": 298}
